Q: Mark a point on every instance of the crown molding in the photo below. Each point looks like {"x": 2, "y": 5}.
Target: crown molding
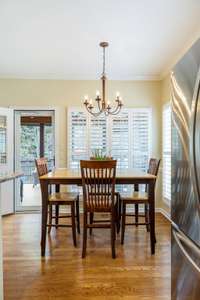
{"x": 81, "y": 78}
{"x": 174, "y": 61}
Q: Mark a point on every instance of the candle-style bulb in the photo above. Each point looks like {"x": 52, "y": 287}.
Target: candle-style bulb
{"x": 117, "y": 94}
{"x": 86, "y": 97}
{"x": 97, "y": 94}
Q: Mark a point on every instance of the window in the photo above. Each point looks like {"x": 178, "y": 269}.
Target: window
{"x": 141, "y": 128}
{"x": 126, "y": 137}
{"x": 119, "y": 137}
{"x": 77, "y": 138}
{"x": 167, "y": 152}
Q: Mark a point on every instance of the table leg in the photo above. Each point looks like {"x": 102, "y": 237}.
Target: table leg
{"x": 57, "y": 207}
{"x": 152, "y": 215}
{"x": 44, "y": 189}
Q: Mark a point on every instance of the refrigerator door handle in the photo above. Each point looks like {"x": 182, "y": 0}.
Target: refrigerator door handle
{"x": 181, "y": 240}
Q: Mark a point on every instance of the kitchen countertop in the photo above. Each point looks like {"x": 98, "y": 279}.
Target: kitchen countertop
{"x": 11, "y": 176}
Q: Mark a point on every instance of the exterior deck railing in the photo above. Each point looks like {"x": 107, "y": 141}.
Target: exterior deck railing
{"x": 29, "y": 170}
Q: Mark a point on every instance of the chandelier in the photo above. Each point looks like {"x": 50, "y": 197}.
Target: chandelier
{"x": 103, "y": 105}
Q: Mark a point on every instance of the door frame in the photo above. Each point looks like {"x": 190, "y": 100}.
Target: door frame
{"x": 56, "y": 111}
{"x": 8, "y": 207}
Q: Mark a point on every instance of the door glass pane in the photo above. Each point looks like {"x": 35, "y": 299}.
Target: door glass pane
{"x": 30, "y": 150}
{"x": 3, "y": 158}
{"x": 49, "y": 145}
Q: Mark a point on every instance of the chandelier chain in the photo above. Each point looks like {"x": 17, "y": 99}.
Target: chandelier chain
{"x": 104, "y": 61}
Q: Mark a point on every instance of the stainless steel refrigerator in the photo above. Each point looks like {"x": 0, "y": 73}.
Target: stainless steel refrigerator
{"x": 185, "y": 205}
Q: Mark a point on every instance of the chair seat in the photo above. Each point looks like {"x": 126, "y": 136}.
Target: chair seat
{"x": 63, "y": 198}
{"x": 135, "y": 197}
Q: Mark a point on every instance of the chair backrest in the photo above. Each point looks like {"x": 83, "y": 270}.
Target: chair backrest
{"x": 98, "y": 181}
{"x": 41, "y": 166}
{"x": 153, "y": 166}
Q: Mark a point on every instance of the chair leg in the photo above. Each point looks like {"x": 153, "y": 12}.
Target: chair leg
{"x": 136, "y": 215}
{"x": 50, "y": 218}
{"x": 57, "y": 215}
{"x": 73, "y": 223}
{"x": 123, "y": 222}
{"x": 91, "y": 221}
{"x": 119, "y": 213}
{"x": 147, "y": 216}
{"x": 113, "y": 234}
{"x": 84, "y": 235}
{"x": 77, "y": 215}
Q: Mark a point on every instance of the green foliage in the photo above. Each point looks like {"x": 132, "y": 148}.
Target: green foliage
{"x": 99, "y": 154}
{"x": 30, "y": 142}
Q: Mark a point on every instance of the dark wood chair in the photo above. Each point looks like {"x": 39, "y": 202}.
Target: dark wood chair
{"x": 117, "y": 195}
{"x": 136, "y": 198}
{"x": 98, "y": 181}
{"x": 60, "y": 198}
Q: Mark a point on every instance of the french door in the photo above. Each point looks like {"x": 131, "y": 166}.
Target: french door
{"x": 6, "y": 159}
{"x": 34, "y": 137}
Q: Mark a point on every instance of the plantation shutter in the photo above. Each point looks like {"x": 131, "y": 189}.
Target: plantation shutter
{"x": 126, "y": 137}
{"x": 120, "y": 139}
{"x": 141, "y": 137}
{"x": 78, "y": 144}
{"x": 167, "y": 152}
{"x": 98, "y": 135}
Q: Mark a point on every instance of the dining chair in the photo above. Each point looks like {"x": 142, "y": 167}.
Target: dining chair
{"x": 136, "y": 198}
{"x": 60, "y": 198}
{"x": 98, "y": 182}
{"x": 117, "y": 195}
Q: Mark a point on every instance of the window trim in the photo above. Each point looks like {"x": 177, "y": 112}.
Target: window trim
{"x": 165, "y": 106}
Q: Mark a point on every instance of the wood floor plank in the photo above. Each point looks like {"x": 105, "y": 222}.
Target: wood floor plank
{"x": 134, "y": 275}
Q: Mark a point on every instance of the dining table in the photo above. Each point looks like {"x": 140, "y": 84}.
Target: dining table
{"x": 64, "y": 176}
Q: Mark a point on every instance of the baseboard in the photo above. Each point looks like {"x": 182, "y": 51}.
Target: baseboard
{"x": 157, "y": 210}
{"x": 164, "y": 213}
{"x": 129, "y": 210}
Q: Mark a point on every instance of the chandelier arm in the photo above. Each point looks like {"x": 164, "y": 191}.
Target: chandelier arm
{"x": 117, "y": 109}
{"x": 93, "y": 113}
{"x": 115, "y": 113}
{"x": 96, "y": 114}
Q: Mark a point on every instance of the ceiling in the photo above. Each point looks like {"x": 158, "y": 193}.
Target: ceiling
{"x": 58, "y": 39}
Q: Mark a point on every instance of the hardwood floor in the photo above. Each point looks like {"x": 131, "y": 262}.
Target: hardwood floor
{"x": 134, "y": 274}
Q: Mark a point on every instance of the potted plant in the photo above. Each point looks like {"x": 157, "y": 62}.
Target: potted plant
{"x": 99, "y": 154}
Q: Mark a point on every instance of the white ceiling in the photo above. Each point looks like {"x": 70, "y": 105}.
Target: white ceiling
{"x": 59, "y": 39}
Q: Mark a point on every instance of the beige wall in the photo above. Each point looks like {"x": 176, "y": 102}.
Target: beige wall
{"x": 64, "y": 93}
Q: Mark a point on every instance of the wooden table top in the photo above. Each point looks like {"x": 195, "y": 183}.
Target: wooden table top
{"x": 76, "y": 174}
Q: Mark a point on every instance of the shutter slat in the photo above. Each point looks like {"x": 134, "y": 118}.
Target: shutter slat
{"x": 120, "y": 139}
{"x": 141, "y": 139}
{"x": 167, "y": 152}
